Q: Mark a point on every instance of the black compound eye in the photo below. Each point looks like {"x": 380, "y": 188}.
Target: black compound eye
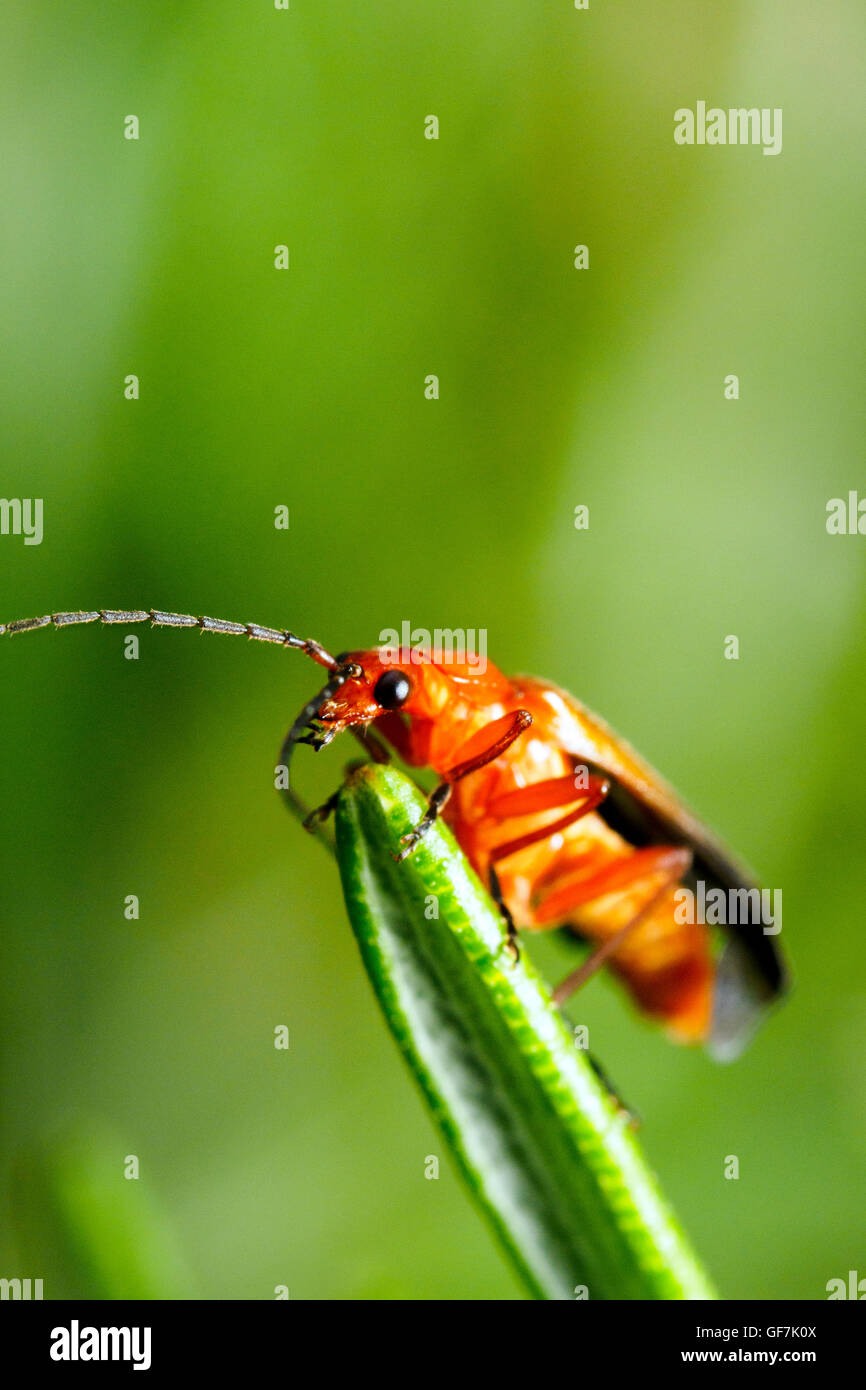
{"x": 392, "y": 690}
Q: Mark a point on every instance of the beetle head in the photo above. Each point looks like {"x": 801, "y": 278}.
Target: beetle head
{"x": 386, "y": 683}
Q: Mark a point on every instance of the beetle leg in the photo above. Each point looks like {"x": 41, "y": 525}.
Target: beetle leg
{"x": 485, "y": 746}
{"x": 438, "y": 798}
{"x": 543, "y": 796}
{"x": 511, "y": 943}
{"x": 631, "y": 1117}
{"x": 319, "y": 737}
{"x": 370, "y": 743}
{"x": 540, "y": 796}
{"x": 477, "y": 751}
{"x": 327, "y": 808}
{"x": 620, "y": 876}
{"x": 321, "y": 813}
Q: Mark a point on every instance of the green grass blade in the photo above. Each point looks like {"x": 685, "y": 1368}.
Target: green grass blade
{"x": 537, "y": 1137}
{"x": 103, "y": 1236}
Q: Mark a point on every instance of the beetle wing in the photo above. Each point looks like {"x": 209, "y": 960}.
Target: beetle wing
{"x": 645, "y": 809}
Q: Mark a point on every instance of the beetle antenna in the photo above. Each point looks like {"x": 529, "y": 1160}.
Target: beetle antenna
{"x": 279, "y": 637}
{"x": 109, "y": 617}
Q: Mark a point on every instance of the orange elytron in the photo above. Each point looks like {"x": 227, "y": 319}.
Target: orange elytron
{"x": 563, "y": 821}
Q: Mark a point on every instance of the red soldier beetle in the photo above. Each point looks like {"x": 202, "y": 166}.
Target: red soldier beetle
{"x": 563, "y": 821}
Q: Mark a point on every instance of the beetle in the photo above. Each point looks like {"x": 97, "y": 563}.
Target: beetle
{"x": 562, "y": 820}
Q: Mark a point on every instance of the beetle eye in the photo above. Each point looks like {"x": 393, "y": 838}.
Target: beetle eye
{"x": 392, "y": 690}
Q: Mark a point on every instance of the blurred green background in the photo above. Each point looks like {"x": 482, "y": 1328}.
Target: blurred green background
{"x": 306, "y": 388}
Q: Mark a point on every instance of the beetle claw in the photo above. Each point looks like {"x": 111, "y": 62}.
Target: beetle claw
{"x": 321, "y": 813}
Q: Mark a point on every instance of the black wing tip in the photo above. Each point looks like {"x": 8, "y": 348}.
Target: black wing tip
{"x": 745, "y": 992}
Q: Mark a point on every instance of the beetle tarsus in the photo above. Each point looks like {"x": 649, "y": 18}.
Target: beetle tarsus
{"x": 632, "y": 1118}
{"x": 321, "y": 813}
{"x": 438, "y": 798}
{"x": 512, "y": 945}
{"x": 411, "y": 840}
